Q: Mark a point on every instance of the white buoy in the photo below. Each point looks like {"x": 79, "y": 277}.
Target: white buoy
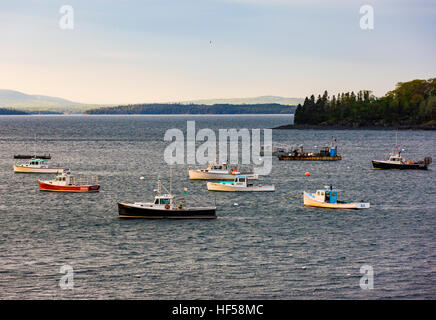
{"x": 141, "y": 178}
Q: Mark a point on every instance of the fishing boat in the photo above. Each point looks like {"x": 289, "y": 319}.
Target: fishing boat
{"x": 164, "y": 206}
{"x": 396, "y": 161}
{"x": 215, "y": 171}
{"x": 329, "y": 153}
{"x": 328, "y": 198}
{"x": 66, "y": 182}
{"x": 36, "y": 166}
{"x": 239, "y": 184}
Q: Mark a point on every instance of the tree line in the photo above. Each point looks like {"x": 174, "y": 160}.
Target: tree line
{"x": 5, "y": 111}
{"x": 410, "y": 103}
{"x": 165, "y": 108}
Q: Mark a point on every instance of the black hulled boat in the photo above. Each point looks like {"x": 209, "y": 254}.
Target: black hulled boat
{"x": 396, "y": 161}
{"x": 164, "y": 206}
{"x": 28, "y": 156}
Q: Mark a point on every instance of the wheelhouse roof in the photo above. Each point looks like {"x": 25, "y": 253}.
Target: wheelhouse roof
{"x": 164, "y": 196}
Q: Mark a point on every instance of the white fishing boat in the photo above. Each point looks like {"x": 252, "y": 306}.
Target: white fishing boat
{"x": 239, "y": 184}
{"x": 215, "y": 171}
{"x": 328, "y": 198}
{"x": 36, "y": 166}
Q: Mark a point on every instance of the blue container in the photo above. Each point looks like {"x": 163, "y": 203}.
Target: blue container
{"x": 333, "y": 152}
{"x": 333, "y": 197}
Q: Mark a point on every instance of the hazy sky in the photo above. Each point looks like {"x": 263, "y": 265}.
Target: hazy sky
{"x": 173, "y": 50}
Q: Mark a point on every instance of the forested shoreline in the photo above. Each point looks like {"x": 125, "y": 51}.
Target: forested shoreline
{"x": 11, "y": 112}
{"x": 410, "y": 105}
{"x": 164, "y": 108}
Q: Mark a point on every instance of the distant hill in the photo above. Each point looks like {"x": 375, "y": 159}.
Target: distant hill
{"x": 30, "y": 102}
{"x": 255, "y": 100}
{"x": 12, "y": 99}
{"x": 177, "y": 108}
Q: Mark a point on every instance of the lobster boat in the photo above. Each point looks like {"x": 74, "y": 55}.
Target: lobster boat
{"x": 215, "y": 171}
{"x": 396, "y": 161}
{"x": 328, "y": 198}
{"x": 36, "y": 166}
{"x": 66, "y": 182}
{"x": 240, "y": 183}
{"x": 329, "y": 153}
{"x": 164, "y": 206}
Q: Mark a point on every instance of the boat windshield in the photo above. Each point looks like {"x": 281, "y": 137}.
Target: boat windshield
{"x": 162, "y": 201}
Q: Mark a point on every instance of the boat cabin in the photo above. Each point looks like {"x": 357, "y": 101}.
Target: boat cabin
{"x": 38, "y": 163}
{"x": 64, "y": 179}
{"x": 395, "y": 156}
{"x": 327, "y": 195}
{"x": 214, "y": 167}
{"x": 162, "y": 200}
{"x": 241, "y": 181}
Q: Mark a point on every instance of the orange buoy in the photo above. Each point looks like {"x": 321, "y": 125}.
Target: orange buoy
{"x": 307, "y": 174}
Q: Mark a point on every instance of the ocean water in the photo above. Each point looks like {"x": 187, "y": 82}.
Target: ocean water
{"x": 268, "y": 247}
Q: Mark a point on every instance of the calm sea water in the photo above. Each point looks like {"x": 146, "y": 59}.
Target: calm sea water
{"x": 268, "y": 247}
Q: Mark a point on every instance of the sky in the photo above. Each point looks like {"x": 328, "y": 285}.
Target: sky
{"x": 129, "y": 51}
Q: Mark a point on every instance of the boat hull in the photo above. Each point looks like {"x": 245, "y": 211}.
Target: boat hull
{"x": 28, "y": 156}
{"x": 201, "y": 175}
{"x": 403, "y": 166}
{"x": 309, "y": 158}
{"x": 126, "y": 210}
{"x": 43, "y": 186}
{"x": 211, "y": 186}
{"x": 309, "y": 201}
{"x": 23, "y": 169}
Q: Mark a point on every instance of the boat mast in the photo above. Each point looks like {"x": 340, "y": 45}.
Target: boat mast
{"x": 171, "y": 186}
{"x": 171, "y": 181}
{"x": 158, "y": 185}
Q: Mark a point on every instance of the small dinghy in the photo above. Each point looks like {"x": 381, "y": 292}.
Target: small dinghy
{"x": 36, "y": 166}
{"x": 328, "y": 198}
{"x": 164, "y": 206}
{"x": 66, "y": 182}
{"x": 215, "y": 171}
{"x": 239, "y": 184}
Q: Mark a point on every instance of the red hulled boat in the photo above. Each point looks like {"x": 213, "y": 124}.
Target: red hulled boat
{"x": 66, "y": 182}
